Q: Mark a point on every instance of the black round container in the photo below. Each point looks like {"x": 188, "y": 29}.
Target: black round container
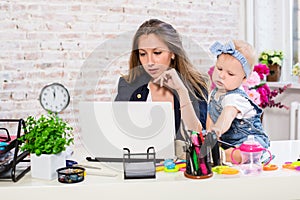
{"x": 70, "y": 174}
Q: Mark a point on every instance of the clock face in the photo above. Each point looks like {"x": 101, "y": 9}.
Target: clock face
{"x": 54, "y": 97}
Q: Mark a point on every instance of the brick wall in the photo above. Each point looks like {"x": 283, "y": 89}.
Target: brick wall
{"x": 84, "y": 44}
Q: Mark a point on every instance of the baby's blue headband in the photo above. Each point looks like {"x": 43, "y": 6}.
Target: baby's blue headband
{"x": 217, "y": 49}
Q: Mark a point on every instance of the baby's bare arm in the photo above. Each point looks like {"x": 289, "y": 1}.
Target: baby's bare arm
{"x": 225, "y": 119}
{"x": 209, "y": 123}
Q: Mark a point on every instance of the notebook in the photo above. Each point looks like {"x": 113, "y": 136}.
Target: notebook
{"x": 108, "y": 127}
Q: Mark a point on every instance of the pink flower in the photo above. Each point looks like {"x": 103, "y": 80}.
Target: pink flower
{"x": 246, "y": 88}
{"x": 253, "y": 79}
{"x": 254, "y": 96}
{"x": 264, "y": 92}
{"x": 262, "y": 70}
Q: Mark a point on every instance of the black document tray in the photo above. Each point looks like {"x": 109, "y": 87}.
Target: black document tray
{"x": 137, "y": 169}
{"x": 16, "y": 167}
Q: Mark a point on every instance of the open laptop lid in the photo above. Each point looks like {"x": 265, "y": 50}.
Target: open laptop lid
{"x": 108, "y": 127}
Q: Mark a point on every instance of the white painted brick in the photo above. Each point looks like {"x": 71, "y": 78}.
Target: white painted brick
{"x": 52, "y": 41}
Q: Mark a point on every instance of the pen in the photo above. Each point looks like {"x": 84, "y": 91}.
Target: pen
{"x": 196, "y": 149}
{"x": 195, "y": 160}
{"x": 215, "y": 152}
{"x": 86, "y": 166}
{"x": 226, "y": 143}
{"x": 198, "y": 158}
{"x": 202, "y": 164}
{"x": 192, "y": 166}
{"x": 201, "y": 136}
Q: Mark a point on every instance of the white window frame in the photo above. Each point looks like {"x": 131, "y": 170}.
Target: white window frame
{"x": 269, "y": 26}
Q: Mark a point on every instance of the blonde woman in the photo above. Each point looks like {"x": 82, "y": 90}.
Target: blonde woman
{"x": 159, "y": 70}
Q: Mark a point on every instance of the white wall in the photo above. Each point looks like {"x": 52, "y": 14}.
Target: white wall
{"x": 276, "y": 121}
{"x": 82, "y": 44}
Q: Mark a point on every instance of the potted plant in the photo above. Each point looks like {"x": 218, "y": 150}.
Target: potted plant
{"x": 273, "y": 59}
{"x": 46, "y": 138}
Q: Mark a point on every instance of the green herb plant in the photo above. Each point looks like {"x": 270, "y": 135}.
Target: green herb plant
{"x": 46, "y": 135}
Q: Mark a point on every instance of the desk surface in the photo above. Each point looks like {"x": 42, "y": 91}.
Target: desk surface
{"x": 279, "y": 184}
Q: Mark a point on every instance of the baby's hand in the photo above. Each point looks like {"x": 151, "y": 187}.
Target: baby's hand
{"x": 217, "y": 131}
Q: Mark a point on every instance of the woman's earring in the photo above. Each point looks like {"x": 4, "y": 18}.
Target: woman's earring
{"x": 173, "y": 57}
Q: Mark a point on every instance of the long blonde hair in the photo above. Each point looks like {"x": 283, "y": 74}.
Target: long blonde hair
{"x": 191, "y": 77}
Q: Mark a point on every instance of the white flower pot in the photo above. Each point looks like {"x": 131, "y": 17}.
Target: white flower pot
{"x": 45, "y": 166}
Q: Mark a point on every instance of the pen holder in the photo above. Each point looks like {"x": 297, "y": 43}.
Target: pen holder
{"x": 197, "y": 166}
{"x": 198, "y": 154}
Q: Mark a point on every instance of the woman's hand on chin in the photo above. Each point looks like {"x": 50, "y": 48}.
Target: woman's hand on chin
{"x": 170, "y": 79}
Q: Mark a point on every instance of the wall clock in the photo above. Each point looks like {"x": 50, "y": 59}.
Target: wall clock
{"x": 54, "y": 97}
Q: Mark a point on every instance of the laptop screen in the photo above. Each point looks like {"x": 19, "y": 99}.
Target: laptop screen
{"x": 108, "y": 127}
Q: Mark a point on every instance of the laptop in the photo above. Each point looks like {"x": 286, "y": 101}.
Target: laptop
{"x": 108, "y": 127}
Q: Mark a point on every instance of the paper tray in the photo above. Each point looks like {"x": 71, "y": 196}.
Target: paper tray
{"x": 134, "y": 168}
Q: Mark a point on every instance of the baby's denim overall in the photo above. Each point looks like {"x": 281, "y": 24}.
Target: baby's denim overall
{"x": 240, "y": 128}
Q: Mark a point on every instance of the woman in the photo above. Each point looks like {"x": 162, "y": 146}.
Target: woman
{"x": 159, "y": 70}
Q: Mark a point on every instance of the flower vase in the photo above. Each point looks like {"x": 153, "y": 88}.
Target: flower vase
{"x": 275, "y": 73}
{"x": 264, "y": 77}
{"x": 45, "y": 165}
{"x": 299, "y": 79}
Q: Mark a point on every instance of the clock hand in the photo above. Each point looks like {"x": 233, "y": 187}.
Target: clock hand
{"x": 54, "y": 93}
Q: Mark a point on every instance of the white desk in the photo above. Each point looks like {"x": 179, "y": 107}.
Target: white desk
{"x": 280, "y": 184}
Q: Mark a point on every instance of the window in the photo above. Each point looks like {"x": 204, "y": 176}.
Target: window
{"x": 273, "y": 28}
{"x": 296, "y": 34}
